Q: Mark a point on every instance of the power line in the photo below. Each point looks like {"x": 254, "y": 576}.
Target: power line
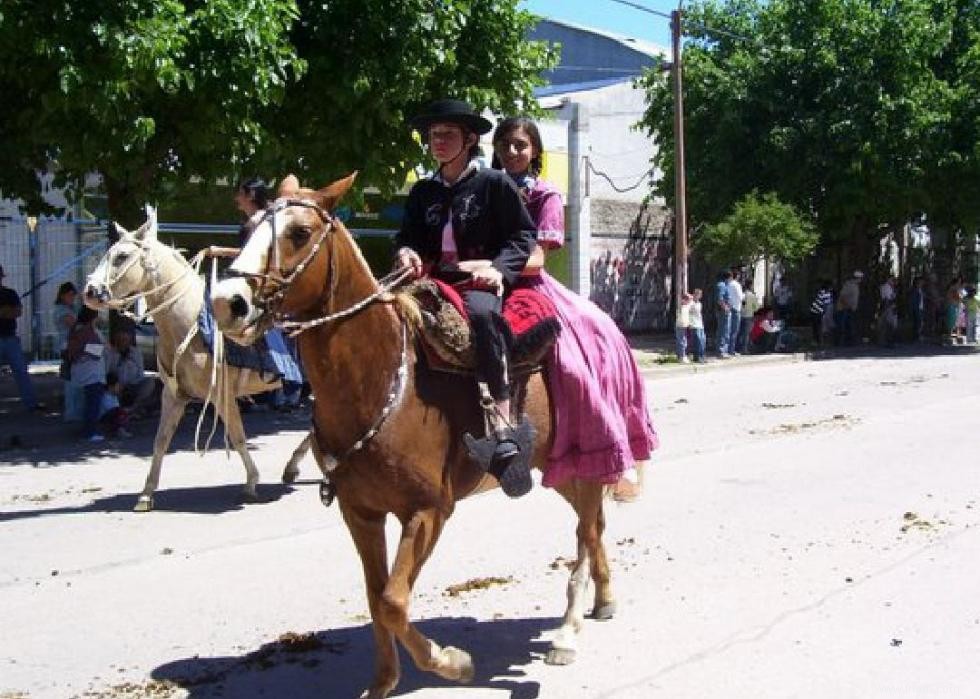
{"x": 699, "y": 25}
{"x": 621, "y": 190}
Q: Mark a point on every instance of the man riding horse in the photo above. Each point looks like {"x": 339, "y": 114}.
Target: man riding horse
{"x": 467, "y": 224}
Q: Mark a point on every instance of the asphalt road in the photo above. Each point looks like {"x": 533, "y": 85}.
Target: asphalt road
{"x": 809, "y": 529}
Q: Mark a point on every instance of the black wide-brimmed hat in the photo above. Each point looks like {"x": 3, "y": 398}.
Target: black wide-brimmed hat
{"x": 451, "y": 112}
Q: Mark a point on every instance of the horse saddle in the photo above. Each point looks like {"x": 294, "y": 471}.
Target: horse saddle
{"x": 529, "y": 319}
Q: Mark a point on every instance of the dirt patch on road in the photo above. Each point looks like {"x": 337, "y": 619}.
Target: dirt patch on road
{"x": 839, "y": 421}
{"x": 153, "y": 689}
{"x": 476, "y": 584}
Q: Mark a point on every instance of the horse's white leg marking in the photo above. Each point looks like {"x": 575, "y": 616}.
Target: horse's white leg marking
{"x": 171, "y": 411}
{"x": 565, "y": 642}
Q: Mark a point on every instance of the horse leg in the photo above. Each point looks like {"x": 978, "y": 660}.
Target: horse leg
{"x": 586, "y": 499}
{"x": 368, "y": 533}
{"x": 604, "y": 607}
{"x": 419, "y": 537}
{"x": 291, "y": 472}
{"x": 171, "y": 411}
{"x": 232, "y": 417}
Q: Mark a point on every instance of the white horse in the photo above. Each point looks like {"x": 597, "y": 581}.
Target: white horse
{"x": 140, "y": 266}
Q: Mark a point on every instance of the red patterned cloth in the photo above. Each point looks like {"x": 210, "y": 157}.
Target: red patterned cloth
{"x": 524, "y": 309}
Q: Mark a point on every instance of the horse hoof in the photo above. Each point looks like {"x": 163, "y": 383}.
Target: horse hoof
{"x": 560, "y": 656}
{"x": 143, "y": 505}
{"x": 379, "y": 691}
{"x": 289, "y": 477}
{"x": 605, "y": 612}
{"x": 250, "y": 497}
{"x": 460, "y": 663}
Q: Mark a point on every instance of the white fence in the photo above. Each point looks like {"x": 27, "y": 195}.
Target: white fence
{"x": 37, "y": 263}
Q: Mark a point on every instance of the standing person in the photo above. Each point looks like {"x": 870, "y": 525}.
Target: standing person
{"x": 11, "y": 352}
{"x": 65, "y": 315}
{"x": 918, "y": 304}
{"x": 971, "y": 305}
{"x": 603, "y": 425}
{"x": 783, "y": 294}
{"x": 697, "y": 327}
{"x": 750, "y": 304}
{"x": 85, "y": 352}
{"x": 682, "y": 326}
{"x": 847, "y": 305}
{"x": 735, "y": 298}
{"x": 888, "y": 312}
{"x": 723, "y": 311}
{"x": 818, "y": 309}
{"x": 954, "y": 301}
{"x": 470, "y": 218}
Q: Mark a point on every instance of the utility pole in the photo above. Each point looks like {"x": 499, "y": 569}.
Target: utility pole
{"x": 680, "y": 190}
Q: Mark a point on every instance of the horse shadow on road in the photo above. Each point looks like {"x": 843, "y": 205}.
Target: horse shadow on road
{"x": 204, "y": 500}
{"x": 339, "y": 663}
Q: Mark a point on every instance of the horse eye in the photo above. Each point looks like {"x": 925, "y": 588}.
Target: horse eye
{"x": 120, "y": 258}
{"x": 299, "y": 234}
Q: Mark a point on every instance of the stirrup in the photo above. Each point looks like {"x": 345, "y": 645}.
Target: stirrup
{"x": 506, "y": 457}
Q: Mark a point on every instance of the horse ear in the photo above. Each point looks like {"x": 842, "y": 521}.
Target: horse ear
{"x": 148, "y": 231}
{"x": 333, "y": 193}
{"x": 289, "y": 187}
{"x": 120, "y": 231}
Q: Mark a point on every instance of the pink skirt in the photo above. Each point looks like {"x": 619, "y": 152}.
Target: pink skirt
{"x": 601, "y": 422}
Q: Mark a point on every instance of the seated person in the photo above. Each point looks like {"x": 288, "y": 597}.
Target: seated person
{"x": 112, "y": 417}
{"x": 471, "y": 219}
{"x": 765, "y": 332}
{"x": 138, "y": 392}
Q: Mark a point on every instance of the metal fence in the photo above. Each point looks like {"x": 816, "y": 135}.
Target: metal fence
{"x": 37, "y": 262}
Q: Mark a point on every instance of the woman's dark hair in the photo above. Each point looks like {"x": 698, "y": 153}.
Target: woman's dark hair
{"x": 64, "y": 289}
{"x": 257, "y": 190}
{"x": 531, "y": 129}
{"x": 85, "y": 315}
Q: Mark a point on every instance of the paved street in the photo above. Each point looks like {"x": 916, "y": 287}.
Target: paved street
{"x": 810, "y": 529}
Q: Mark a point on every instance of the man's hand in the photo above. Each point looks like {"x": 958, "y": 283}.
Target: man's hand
{"x": 408, "y": 258}
{"x": 489, "y": 278}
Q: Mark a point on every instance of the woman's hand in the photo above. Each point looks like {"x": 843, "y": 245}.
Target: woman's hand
{"x": 472, "y": 266}
{"x": 489, "y": 278}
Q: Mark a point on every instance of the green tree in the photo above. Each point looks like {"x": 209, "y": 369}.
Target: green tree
{"x": 758, "y": 227}
{"x": 836, "y": 106}
{"x": 375, "y": 64}
{"x": 146, "y": 92}
{"x": 155, "y": 93}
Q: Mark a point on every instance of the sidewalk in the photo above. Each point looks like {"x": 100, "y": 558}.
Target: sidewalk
{"x": 656, "y": 354}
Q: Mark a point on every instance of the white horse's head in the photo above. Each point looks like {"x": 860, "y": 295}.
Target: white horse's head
{"x": 123, "y": 270}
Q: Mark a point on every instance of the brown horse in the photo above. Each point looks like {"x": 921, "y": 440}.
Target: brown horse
{"x": 375, "y": 397}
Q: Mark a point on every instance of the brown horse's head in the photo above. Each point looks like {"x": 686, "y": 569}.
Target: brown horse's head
{"x": 282, "y": 269}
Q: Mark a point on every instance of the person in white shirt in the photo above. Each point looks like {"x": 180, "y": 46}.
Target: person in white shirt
{"x": 696, "y": 318}
{"x": 750, "y": 304}
{"x": 682, "y": 325}
{"x": 138, "y": 392}
{"x": 735, "y": 298}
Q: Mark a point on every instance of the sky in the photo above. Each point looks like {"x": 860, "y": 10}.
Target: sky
{"x": 611, "y": 16}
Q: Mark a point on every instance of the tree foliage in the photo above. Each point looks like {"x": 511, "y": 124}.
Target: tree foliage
{"x": 758, "y": 227}
{"x": 153, "y": 93}
{"x": 146, "y": 92}
{"x": 858, "y": 112}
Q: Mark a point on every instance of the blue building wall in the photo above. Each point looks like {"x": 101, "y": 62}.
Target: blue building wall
{"x": 589, "y": 57}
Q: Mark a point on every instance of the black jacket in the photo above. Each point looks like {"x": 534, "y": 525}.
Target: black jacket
{"x": 489, "y": 221}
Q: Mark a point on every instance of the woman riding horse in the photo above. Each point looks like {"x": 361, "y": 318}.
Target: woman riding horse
{"x": 467, "y": 218}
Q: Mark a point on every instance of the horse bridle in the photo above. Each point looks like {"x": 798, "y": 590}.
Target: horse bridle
{"x": 272, "y": 273}
{"x": 270, "y": 304}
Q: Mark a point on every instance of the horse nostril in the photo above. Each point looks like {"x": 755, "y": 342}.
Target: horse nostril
{"x": 238, "y": 306}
